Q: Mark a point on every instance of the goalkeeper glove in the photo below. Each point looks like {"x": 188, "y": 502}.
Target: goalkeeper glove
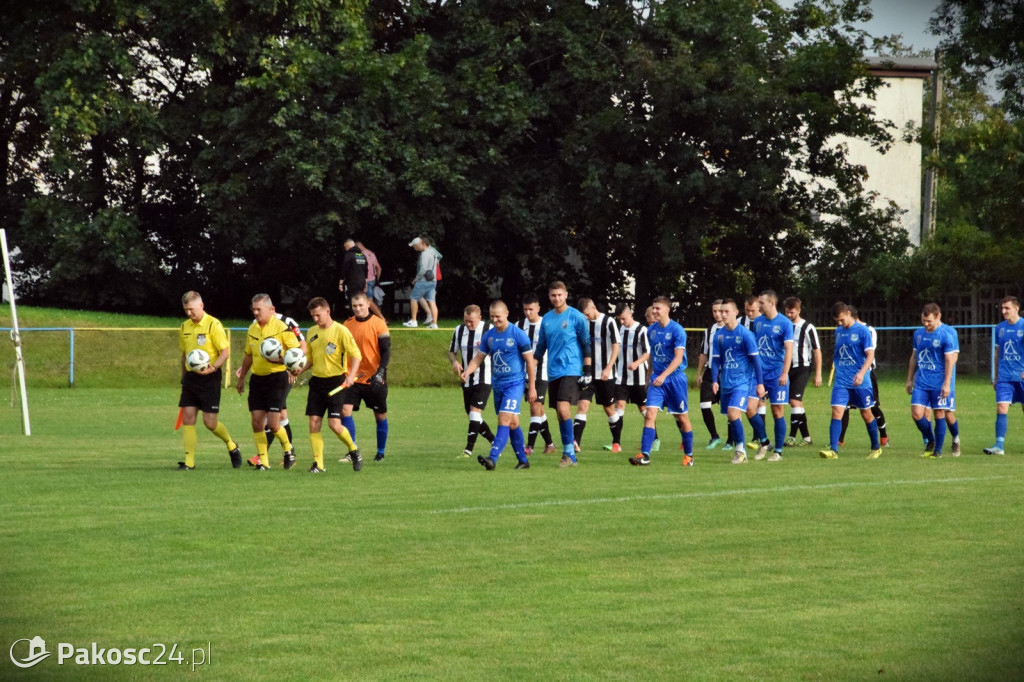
{"x": 588, "y": 376}
{"x": 380, "y": 376}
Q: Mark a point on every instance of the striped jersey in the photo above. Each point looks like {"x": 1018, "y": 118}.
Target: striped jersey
{"x": 633, "y": 346}
{"x": 805, "y": 342}
{"x": 708, "y": 341}
{"x": 465, "y": 344}
{"x": 604, "y": 335}
{"x": 532, "y": 330}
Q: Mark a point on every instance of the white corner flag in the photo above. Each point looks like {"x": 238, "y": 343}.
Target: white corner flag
{"x": 16, "y": 336}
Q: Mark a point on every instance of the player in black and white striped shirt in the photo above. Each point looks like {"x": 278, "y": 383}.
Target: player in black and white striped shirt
{"x": 538, "y": 418}
{"x": 704, "y": 381}
{"x": 476, "y": 389}
{"x": 806, "y": 354}
{"x": 604, "y": 348}
{"x": 632, "y": 367}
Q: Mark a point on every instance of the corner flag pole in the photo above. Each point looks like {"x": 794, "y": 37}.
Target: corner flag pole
{"x": 16, "y": 336}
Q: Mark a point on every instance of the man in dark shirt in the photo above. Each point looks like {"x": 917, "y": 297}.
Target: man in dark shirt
{"x": 353, "y": 271}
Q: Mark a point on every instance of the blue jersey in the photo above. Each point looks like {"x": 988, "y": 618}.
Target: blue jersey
{"x": 850, "y": 353}
{"x": 772, "y": 336}
{"x": 565, "y": 337}
{"x": 1010, "y": 342}
{"x": 663, "y": 342}
{"x": 734, "y": 359}
{"x": 506, "y": 350}
{"x": 931, "y": 349}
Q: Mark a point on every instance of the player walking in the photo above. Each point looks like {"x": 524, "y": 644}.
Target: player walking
{"x": 538, "y": 417}
{"x": 476, "y": 388}
{"x": 707, "y": 397}
{"x": 1008, "y": 368}
{"x": 631, "y": 369}
{"x": 370, "y": 386}
{"x": 604, "y": 350}
{"x": 806, "y": 352}
{"x": 774, "y": 334}
{"x": 737, "y": 377}
{"x": 931, "y": 381}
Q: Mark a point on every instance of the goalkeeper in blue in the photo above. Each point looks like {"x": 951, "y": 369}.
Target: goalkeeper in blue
{"x": 851, "y": 358}
{"x": 931, "y": 381}
{"x": 668, "y": 387}
{"x": 513, "y": 372}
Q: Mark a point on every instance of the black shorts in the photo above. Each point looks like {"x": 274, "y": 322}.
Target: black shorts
{"x": 706, "y": 394}
{"x": 542, "y": 391}
{"x": 475, "y": 396}
{"x": 373, "y": 395}
{"x": 201, "y": 391}
{"x": 637, "y": 395}
{"x": 563, "y": 390}
{"x": 318, "y": 401}
{"x": 600, "y": 391}
{"x": 798, "y": 378}
{"x": 268, "y": 392}
{"x": 874, "y": 389}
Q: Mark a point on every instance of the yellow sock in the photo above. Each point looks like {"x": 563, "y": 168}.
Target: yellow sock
{"x": 190, "y": 437}
{"x": 222, "y": 432}
{"x": 346, "y": 439}
{"x": 261, "y": 447}
{"x": 282, "y": 437}
{"x": 317, "y": 439}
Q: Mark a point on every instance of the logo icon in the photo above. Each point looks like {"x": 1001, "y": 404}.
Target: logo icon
{"x": 36, "y": 652}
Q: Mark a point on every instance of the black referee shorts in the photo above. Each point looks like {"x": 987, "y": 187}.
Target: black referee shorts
{"x": 318, "y": 401}
{"x": 475, "y": 396}
{"x": 201, "y": 391}
{"x": 373, "y": 395}
{"x": 268, "y": 392}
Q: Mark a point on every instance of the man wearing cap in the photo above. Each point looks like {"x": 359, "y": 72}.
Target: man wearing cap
{"x": 424, "y": 284}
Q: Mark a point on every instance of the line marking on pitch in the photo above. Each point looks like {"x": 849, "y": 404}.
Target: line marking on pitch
{"x": 715, "y": 493}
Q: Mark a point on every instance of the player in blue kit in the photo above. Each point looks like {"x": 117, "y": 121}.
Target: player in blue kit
{"x": 774, "y": 334}
{"x": 565, "y": 337}
{"x": 931, "y": 381}
{"x": 737, "y": 377}
{"x": 1008, "y": 368}
{"x": 668, "y": 387}
{"x": 512, "y": 369}
{"x": 851, "y": 358}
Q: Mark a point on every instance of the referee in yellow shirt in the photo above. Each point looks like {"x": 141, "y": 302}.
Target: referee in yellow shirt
{"x": 334, "y": 359}
{"x": 201, "y": 390}
{"x": 268, "y": 388}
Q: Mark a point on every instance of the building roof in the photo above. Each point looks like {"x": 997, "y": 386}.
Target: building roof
{"x": 901, "y": 67}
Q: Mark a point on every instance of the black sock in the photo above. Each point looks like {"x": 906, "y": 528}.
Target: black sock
{"x": 616, "y": 430}
{"x": 846, "y": 422}
{"x": 474, "y": 430}
{"x": 545, "y": 432}
{"x": 577, "y": 431}
{"x": 709, "y": 421}
{"x": 531, "y": 437}
{"x": 880, "y": 418}
{"x": 288, "y": 430}
{"x": 485, "y": 431}
{"x": 269, "y": 434}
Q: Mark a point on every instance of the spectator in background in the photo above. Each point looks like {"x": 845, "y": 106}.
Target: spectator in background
{"x": 353, "y": 271}
{"x": 424, "y": 284}
{"x": 373, "y": 271}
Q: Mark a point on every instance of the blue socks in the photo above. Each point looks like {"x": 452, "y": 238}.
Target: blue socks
{"x": 350, "y": 424}
{"x": 500, "y": 441}
{"x": 382, "y": 436}
{"x": 780, "y": 433}
{"x": 835, "y": 427}
{"x": 647, "y": 440}
{"x": 925, "y": 427}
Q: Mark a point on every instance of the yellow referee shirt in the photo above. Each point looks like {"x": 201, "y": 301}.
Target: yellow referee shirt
{"x": 206, "y": 334}
{"x": 255, "y": 336}
{"x": 330, "y": 349}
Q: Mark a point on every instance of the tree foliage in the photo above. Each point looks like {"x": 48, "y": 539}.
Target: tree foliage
{"x": 693, "y": 148}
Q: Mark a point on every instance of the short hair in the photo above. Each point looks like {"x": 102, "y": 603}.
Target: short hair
{"x": 471, "y": 309}
{"x": 1010, "y": 299}
{"x": 318, "y": 302}
{"x": 838, "y": 308}
{"x": 360, "y": 295}
{"x": 853, "y": 311}
{"x": 557, "y": 284}
{"x": 729, "y": 301}
{"x": 348, "y": 242}
{"x": 750, "y": 299}
{"x": 530, "y": 299}
{"x": 648, "y": 311}
{"x": 791, "y": 302}
{"x": 623, "y": 307}
{"x": 931, "y": 309}
{"x": 715, "y": 302}
{"x": 770, "y": 295}
{"x": 191, "y": 296}
{"x": 583, "y": 303}
{"x": 664, "y": 300}
{"x": 498, "y": 303}
{"x": 262, "y": 298}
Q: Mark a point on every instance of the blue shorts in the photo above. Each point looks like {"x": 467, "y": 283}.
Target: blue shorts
{"x": 775, "y": 394}
{"x": 860, "y": 397}
{"x": 423, "y": 290}
{"x": 1010, "y": 392}
{"x": 507, "y": 397}
{"x": 932, "y": 398}
{"x": 672, "y": 395}
{"x": 738, "y": 397}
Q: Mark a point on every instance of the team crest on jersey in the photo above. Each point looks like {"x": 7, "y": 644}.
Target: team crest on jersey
{"x": 737, "y": 340}
{"x": 201, "y": 340}
{"x": 855, "y": 337}
{"x": 776, "y": 330}
{"x": 331, "y": 347}
{"x": 936, "y": 343}
{"x": 565, "y": 325}
{"x": 1020, "y": 333}
{"x": 510, "y": 342}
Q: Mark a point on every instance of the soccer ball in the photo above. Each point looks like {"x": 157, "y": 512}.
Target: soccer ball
{"x": 197, "y": 360}
{"x": 271, "y": 349}
{"x": 294, "y": 359}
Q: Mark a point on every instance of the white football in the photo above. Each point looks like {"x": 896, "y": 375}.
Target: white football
{"x": 197, "y": 360}
{"x": 294, "y": 359}
{"x": 271, "y": 349}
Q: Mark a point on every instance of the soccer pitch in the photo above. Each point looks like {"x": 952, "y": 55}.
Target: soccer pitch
{"x": 427, "y": 567}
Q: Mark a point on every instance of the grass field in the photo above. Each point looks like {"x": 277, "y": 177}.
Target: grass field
{"x": 427, "y": 567}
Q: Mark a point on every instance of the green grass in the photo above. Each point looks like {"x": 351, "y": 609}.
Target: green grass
{"x": 427, "y": 567}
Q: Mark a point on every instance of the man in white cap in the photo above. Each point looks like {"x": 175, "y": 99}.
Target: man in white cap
{"x": 424, "y": 284}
